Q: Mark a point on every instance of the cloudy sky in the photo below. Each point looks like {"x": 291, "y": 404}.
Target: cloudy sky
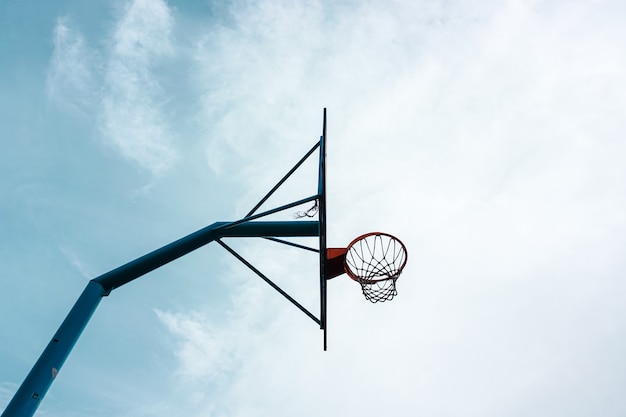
{"x": 487, "y": 135}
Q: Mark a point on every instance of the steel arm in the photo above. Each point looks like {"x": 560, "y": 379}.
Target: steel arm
{"x": 30, "y": 394}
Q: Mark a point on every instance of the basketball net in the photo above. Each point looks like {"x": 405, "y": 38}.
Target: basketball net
{"x": 375, "y": 261}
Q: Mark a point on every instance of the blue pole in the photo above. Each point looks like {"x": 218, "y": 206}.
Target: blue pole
{"x": 34, "y": 388}
{"x": 155, "y": 259}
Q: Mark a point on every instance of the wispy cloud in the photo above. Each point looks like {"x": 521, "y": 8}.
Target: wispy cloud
{"x": 208, "y": 351}
{"x": 75, "y": 260}
{"x": 131, "y": 119}
{"x": 71, "y": 78}
{"x": 119, "y": 82}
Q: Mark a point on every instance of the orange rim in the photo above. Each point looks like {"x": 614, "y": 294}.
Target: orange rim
{"x": 402, "y": 252}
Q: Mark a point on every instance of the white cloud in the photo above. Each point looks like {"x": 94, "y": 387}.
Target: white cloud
{"x": 120, "y": 84}
{"x": 70, "y": 80}
{"x": 131, "y": 119}
{"x": 71, "y": 255}
{"x": 211, "y": 351}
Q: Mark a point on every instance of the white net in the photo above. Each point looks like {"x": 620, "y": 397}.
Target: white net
{"x": 375, "y": 261}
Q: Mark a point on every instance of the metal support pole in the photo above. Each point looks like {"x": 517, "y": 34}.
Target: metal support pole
{"x": 34, "y": 388}
{"x": 156, "y": 259}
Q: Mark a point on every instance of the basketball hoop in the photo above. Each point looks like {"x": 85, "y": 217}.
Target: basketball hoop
{"x": 375, "y": 260}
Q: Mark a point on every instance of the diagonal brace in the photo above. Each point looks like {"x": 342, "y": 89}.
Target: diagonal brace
{"x": 269, "y": 194}
{"x": 270, "y": 282}
{"x": 295, "y": 245}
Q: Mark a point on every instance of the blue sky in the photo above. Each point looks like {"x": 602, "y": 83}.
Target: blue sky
{"x": 487, "y": 135}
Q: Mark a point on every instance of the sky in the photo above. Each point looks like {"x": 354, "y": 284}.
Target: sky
{"x": 487, "y": 135}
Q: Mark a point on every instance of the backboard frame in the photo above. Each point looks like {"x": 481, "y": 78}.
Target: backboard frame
{"x": 322, "y": 226}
